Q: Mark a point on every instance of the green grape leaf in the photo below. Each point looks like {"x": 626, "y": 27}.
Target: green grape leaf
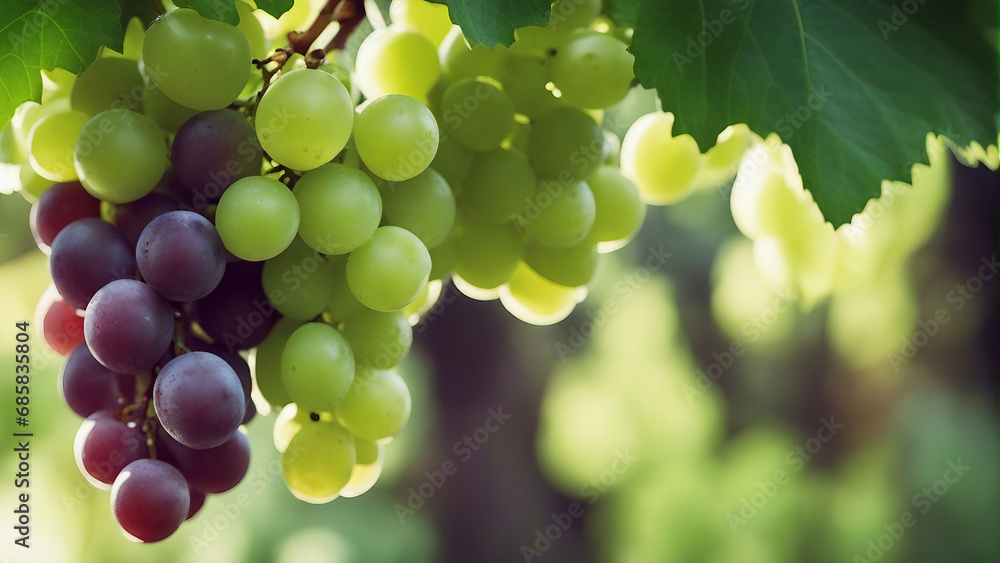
{"x": 491, "y": 23}
{"x": 222, "y": 10}
{"x": 274, "y": 7}
{"x": 853, "y": 86}
{"x": 47, "y": 34}
{"x": 225, "y": 10}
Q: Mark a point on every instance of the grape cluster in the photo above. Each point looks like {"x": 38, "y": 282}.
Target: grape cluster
{"x": 217, "y": 226}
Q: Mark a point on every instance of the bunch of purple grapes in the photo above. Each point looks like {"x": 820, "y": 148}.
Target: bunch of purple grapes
{"x": 165, "y": 310}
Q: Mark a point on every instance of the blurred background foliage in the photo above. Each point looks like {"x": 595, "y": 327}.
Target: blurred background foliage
{"x": 682, "y": 413}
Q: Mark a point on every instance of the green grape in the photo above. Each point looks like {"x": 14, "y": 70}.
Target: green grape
{"x": 111, "y": 82}
{"x": 297, "y": 281}
{"x": 396, "y": 137}
{"x": 340, "y": 208}
{"x": 499, "y": 186}
{"x": 51, "y": 143}
{"x": 377, "y": 406}
{"x": 459, "y": 60}
{"x": 452, "y": 161}
{"x": 25, "y": 117}
{"x": 371, "y": 458}
{"x": 338, "y": 72}
{"x": 57, "y": 84}
{"x": 397, "y": 60}
{"x": 428, "y": 298}
{"x": 250, "y": 27}
{"x": 343, "y": 304}
{"x": 486, "y": 255}
{"x": 135, "y": 32}
{"x": 304, "y": 119}
{"x": 477, "y": 114}
{"x": 612, "y": 149}
{"x": 389, "y": 271}
{"x": 32, "y": 185}
{"x": 11, "y": 152}
{"x": 593, "y": 70}
{"x": 120, "y": 155}
{"x": 536, "y": 300}
{"x": 423, "y": 205}
{"x": 378, "y": 340}
{"x": 257, "y": 218}
{"x": 538, "y": 41}
{"x": 317, "y": 367}
{"x": 572, "y": 14}
{"x": 199, "y": 63}
{"x": 473, "y": 292}
{"x": 560, "y": 215}
{"x": 431, "y": 20}
{"x": 566, "y": 144}
{"x": 519, "y": 136}
{"x": 267, "y": 361}
{"x": 290, "y": 420}
{"x": 767, "y": 198}
{"x": 526, "y": 77}
{"x": 288, "y": 423}
{"x": 663, "y": 167}
{"x": 168, "y": 114}
{"x": 318, "y": 462}
{"x": 443, "y": 258}
{"x": 619, "y": 211}
{"x": 722, "y": 160}
{"x": 572, "y": 267}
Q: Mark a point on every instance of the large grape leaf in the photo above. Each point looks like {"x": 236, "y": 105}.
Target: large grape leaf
{"x": 274, "y": 7}
{"x": 490, "y": 22}
{"x": 853, "y": 86}
{"x": 222, "y": 10}
{"x": 46, "y": 34}
{"x": 225, "y": 10}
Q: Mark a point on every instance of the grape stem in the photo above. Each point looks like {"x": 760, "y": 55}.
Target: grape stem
{"x": 348, "y": 13}
{"x": 279, "y": 56}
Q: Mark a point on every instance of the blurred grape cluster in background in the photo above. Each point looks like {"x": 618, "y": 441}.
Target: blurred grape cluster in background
{"x": 686, "y": 412}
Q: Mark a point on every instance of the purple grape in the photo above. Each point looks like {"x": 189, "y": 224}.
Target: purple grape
{"x": 59, "y": 206}
{"x": 239, "y": 365}
{"x": 237, "y": 315}
{"x": 197, "y": 501}
{"x": 105, "y": 445}
{"x": 199, "y": 400}
{"x": 181, "y": 256}
{"x": 150, "y": 500}
{"x": 211, "y": 151}
{"x": 132, "y": 218}
{"x": 87, "y": 255}
{"x": 213, "y": 470}
{"x": 250, "y": 413}
{"x": 128, "y": 326}
{"x": 89, "y": 387}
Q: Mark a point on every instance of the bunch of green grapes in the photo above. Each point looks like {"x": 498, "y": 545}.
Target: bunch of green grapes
{"x": 316, "y": 231}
